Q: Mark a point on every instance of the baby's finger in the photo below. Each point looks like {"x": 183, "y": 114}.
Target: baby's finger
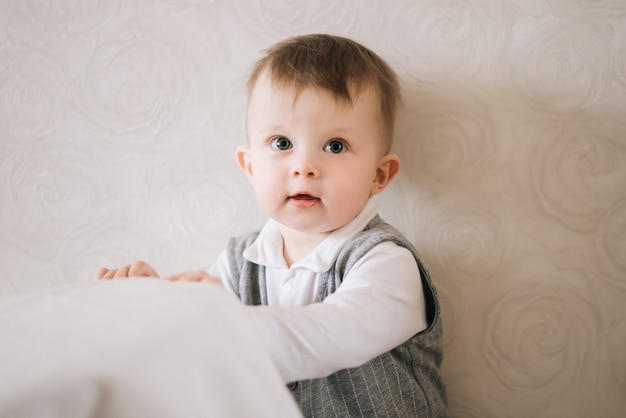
{"x": 174, "y": 277}
{"x": 180, "y": 277}
{"x": 101, "y": 272}
{"x": 141, "y": 269}
{"x": 212, "y": 279}
{"x": 192, "y": 276}
{"x": 122, "y": 272}
{"x": 109, "y": 274}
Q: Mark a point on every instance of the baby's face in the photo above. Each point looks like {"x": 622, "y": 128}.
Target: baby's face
{"x": 313, "y": 160}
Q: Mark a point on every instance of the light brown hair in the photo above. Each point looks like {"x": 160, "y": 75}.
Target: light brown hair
{"x": 339, "y": 65}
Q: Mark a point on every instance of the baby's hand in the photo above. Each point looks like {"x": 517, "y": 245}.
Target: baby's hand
{"x": 137, "y": 269}
{"x": 194, "y": 276}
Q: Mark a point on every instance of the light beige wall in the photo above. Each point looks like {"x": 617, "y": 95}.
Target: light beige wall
{"x": 119, "y": 120}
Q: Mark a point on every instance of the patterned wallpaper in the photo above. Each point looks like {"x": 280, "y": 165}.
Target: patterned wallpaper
{"x": 119, "y": 120}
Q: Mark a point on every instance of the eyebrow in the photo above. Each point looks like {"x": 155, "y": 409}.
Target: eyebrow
{"x": 273, "y": 129}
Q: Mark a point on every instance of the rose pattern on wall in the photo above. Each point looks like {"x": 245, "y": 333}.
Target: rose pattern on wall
{"x": 119, "y": 123}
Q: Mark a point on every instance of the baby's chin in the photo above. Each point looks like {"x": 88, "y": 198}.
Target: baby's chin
{"x": 316, "y": 220}
{"x": 313, "y": 228}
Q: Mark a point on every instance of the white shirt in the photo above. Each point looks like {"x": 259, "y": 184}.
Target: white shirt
{"x": 379, "y": 305}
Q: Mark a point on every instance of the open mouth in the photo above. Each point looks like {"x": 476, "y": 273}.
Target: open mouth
{"x": 303, "y": 200}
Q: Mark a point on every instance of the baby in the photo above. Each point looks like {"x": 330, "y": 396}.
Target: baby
{"x": 339, "y": 297}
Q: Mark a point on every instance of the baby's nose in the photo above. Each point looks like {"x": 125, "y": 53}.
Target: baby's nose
{"x": 306, "y": 168}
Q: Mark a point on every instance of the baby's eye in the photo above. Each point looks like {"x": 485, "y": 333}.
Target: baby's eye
{"x": 280, "y": 143}
{"x": 335, "y": 146}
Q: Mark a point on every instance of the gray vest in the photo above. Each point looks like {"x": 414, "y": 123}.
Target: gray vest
{"x": 403, "y": 382}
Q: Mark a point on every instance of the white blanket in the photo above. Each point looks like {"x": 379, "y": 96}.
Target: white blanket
{"x": 134, "y": 348}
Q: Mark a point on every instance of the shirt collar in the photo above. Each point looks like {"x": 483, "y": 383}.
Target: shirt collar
{"x": 267, "y": 249}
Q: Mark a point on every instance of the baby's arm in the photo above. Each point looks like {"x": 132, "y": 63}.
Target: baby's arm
{"x": 377, "y": 307}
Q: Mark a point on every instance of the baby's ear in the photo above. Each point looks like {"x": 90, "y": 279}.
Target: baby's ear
{"x": 388, "y": 167}
{"x": 243, "y": 159}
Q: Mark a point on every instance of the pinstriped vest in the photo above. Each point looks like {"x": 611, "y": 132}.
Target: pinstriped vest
{"x": 403, "y": 382}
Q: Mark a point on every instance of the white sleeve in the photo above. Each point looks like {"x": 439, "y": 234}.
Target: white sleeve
{"x": 221, "y": 270}
{"x": 379, "y": 305}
